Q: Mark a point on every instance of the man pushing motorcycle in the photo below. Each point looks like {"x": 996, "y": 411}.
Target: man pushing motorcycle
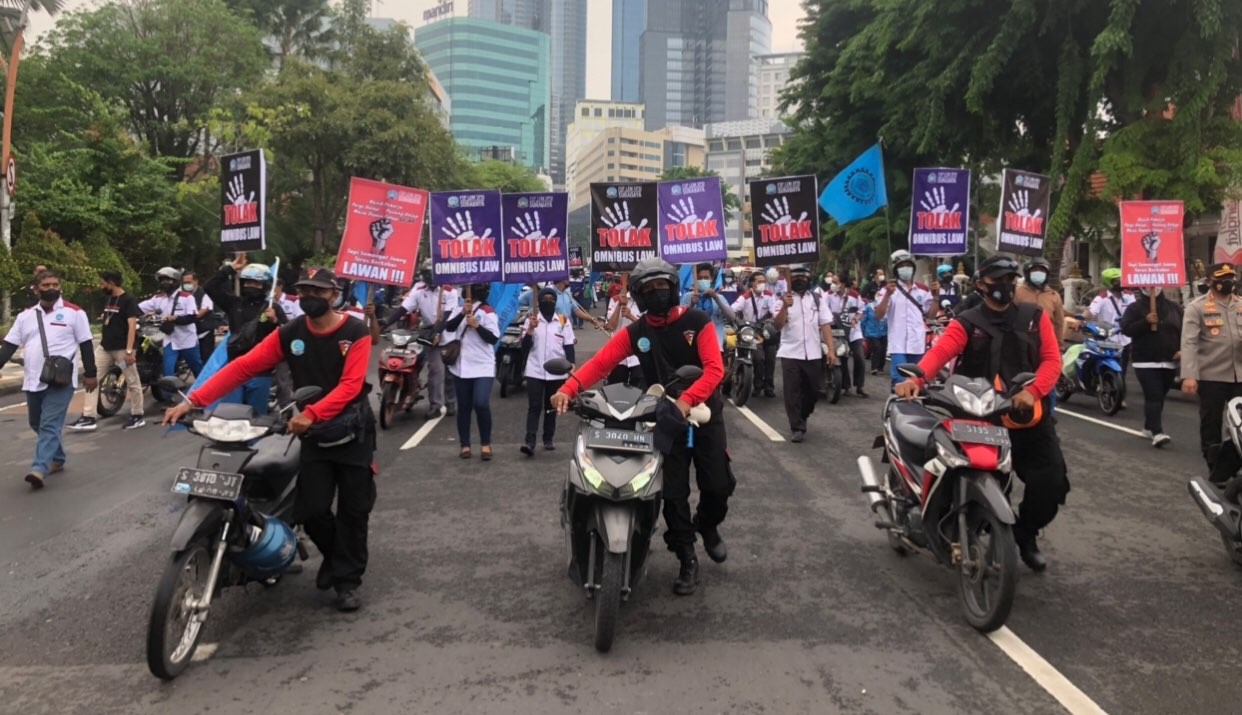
{"x": 996, "y": 341}
{"x": 667, "y": 337}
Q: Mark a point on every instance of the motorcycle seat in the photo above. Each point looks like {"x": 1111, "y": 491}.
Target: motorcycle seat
{"x": 274, "y": 462}
{"x": 913, "y": 425}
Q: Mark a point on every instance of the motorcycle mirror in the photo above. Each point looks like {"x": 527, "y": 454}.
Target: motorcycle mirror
{"x": 305, "y": 395}
{"x": 688, "y": 373}
{"x": 909, "y": 369}
{"x": 558, "y": 366}
{"x": 945, "y": 304}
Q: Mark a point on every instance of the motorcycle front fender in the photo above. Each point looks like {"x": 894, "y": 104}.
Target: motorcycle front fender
{"x": 199, "y": 515}
{"x": 616, "y": 525}
{"x": 984, "y": 488}
{"x": 1104, "y": 365}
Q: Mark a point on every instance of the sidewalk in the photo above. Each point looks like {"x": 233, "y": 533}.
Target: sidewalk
{"x": 11, "y": 376}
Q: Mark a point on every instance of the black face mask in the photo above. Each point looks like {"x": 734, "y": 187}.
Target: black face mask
{"x": 800, "y": 285}
{"x": 168, "y": 287}
{"x": 658, "y": 301}
{"x": 427, "y": 277}
{"x": 252, "y": 294}
{"x": 1224, "y": 287}
{"x": 1202, "y": 287}
{"x": 49, "y": 296}
{"x": 313, "y": 305}
{"x": 1001, "y": 292}
{"x": 547, "y": 310}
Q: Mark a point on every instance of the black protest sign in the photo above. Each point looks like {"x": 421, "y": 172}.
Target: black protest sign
{"x": 785, "y": 220}
{"x": 624, "y": 218}
{"x": 1025, "y": 198}
{"x": 243, "y": 200}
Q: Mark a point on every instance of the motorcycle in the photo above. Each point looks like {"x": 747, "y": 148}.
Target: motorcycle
{"x": 742, "y": 346}
{"x": 149, "y": 355}
{"x": 1094, "y": 369}
{"x": 610, "y": 506}
{"x": 399, "y": 367}
{"x": 841, "y": 327}
{"x": 511, "y": 355}
{"x": 944, "y": 491}
{"x": 235, "y": 528}
{"x": 1221, "y": 504}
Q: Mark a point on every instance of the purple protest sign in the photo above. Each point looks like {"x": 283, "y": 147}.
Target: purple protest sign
{"x": 465, "y": 236}
{"x": 692, "y": 220}
{"x": 535, "y": 242}
{"x": 940, "y": 212}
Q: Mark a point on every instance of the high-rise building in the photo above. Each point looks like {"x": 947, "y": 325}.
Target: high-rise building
{"x": 773, "y": 76}
{"x": 739, "y": 152}
{"x": 629, "y": 20}
{"x": 697, "y": 60}
{"x": 528, "y": 14}
{"x": 632, "y": 154}
{"x": 496, "y": 77}
{"x": 590, "y": 118}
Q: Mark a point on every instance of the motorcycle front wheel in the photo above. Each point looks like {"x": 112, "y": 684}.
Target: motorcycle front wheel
{"x": 1064, "y": 389}
{"x": 743, "y": 384}
{"x": 506, "y": 374}
{"x": 1109, "y": 393}
{"x": 388, "y": 404}
{"x": 608, "y": 600}
{"x": 174, "y": 628}
{"x": 988, "y": 573}
{"x": 111, "y": 392}
{"x": 833, "y": 390}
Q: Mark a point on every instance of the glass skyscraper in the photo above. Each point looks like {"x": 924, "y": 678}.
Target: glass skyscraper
{"x": 629, "y": 20}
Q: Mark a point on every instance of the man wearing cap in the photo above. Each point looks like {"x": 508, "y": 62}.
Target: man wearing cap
{"x": 1212, "y": 363}
{"x": 323, "y": 348}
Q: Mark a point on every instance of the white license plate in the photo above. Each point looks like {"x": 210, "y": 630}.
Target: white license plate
{"x": 208, "y": 484}
{"x": 620, "y": 440}
{"x": 1110, "y": 345}
{"x": 979, "y": 433}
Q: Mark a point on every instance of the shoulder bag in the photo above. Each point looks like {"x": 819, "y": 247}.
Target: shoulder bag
{"x": 57, "y": 370}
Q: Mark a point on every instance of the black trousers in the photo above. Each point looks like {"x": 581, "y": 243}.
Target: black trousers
{"x": 858, "y": 363}
{"x": 1155, "y": 382}
{"x": 712, "y": 473}
{"x": 1222, "y": 461}
{"x": 1039, "y": 463}
{"x": 801, "y": 381}
{"x": 632, "y": 376}
{"x": 207, "y": 346}
{"x": 341, "y": 538}
{"x": 765, "y": 370}
{"x": 879, "y": 351}
{"x": 539, "y": 402}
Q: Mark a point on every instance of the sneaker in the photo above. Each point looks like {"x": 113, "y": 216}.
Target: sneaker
{"x": 1147, "y": 434}
{"x": 56, "y": 467}
{"x": 450, "y": 410}
{"x": 134, "y": 422}
{"x": 84, "y": 424}
{"x": 348, "y": 601}
{"x": 798, "y": 436}
{"x": 549, "y": 445}
{"x": 434, "y": 412}
{"x": 35, "y": 480}
{"x": 1160, "y": 440}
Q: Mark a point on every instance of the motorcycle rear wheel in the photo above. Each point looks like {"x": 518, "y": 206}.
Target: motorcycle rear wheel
{"x": 1234, "y": 549}
{"x": 111, "y": 392}
{"x": 506, "y": 373}
{"x": 833, "y": 389}
{"x": 608, "y": 599}
{"x": 388, "y": 404}
{"x": 989, "y": 554}
{"x": 743, "y": 384}
{"x": 1109, "y": 393}
{"x": 173, "y": 630}
{"x": 1064, "y": 389}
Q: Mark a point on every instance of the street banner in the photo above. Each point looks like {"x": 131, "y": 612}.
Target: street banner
{"x": 859, "y": 190}
{"x": 940, "y": 212}
{"x": 535, "y": 247}
{"x": 785, "y": 221}
{"x": 383, "y": 224}
{"x": 692, "y": 220}
{"x": 1229, "y": 235}
{"x": 243, "y": 201}
{"x": 1025, "y": 198}
{"x": 1152, "y": 249}
{"x": 465, "y": 237}
{"x": 623, "y": 223}
{"x": 575, "y": 256}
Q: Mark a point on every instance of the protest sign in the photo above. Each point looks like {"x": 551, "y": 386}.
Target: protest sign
{"x": 382, "y": 229}
{"x": 535, "y": 247}
{"x": 1152, "y": 250}
{"x": 243, "y": 200}
{"x": 1025, "y": 198}
{"x": 785, "y": 218}
{"x": 575, "y": 256}
{"x": 940, "y": 212}
{"x": 692, "y": 220}
{"x": 465, "y": 237}
{"x": 1229, "y": 235}
{"x": 623, "y": 223}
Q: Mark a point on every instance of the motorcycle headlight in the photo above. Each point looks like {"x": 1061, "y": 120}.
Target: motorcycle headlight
{"x": 402, "y": 339}
{"x": 747, "y": 334}
{"x": 643, "y": 479}
{"x": 951, "y": 459}
{"x": 220, "y": 430}
{"x": 592, "y": 475}
{"x": 979, "y": 406}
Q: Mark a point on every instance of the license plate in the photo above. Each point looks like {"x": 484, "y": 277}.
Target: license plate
{"x": 398, "y": 352}
{"x": 1110, "y": 345}
{"x": 620, "y": 440}
{"x": 979, "y": 433}
{"x": 208, "y": 484}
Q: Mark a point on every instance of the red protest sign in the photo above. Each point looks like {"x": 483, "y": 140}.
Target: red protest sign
{"x": 382, "y": 229}
{"x": 1152, "y": 250}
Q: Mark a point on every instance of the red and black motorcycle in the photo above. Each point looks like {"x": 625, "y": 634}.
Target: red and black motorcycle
{"x": 400, "y": 365}
{"x": 945, "y": 490}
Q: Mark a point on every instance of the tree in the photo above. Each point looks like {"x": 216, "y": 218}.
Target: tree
{"x": 506, "y": 176}
{"x": 731, "y": 201}
{"x": 301, "y": 28}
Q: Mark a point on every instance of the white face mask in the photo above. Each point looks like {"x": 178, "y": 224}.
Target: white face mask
{"x": 1038, "y": 278}
{"x": 905, "y": 273}
{"x": 760, "y": 286}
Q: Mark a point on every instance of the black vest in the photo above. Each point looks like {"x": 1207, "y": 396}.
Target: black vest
{"x": 661, "y": 351}
{"x": 1003, "y": 349}
{"x": 319, "y": 359}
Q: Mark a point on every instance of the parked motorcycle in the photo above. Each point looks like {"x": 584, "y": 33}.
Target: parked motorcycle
{"x": 610, "y": 506}
{"x": 742, "y": 347}
{"x": 944, "y": 491}
{"x": 400, "y": 365}
{"x": 511, "y": 355}
{"x": 149, "y": 355}
{"x": 1222, "y": 504}
{"x": 1094, "y": 368}
{"x": 235, "y": 528}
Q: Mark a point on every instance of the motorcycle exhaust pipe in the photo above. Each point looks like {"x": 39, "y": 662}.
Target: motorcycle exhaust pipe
{"x": 1224, "y": 516}
{"x": 871, "y": 485}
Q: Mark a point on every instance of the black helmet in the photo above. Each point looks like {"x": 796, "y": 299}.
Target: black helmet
{"x": 649, "y": 269}
{"x": 1031, "y": 264}
{"x": 998, "y": 266}
{"x": 480, "y": 291}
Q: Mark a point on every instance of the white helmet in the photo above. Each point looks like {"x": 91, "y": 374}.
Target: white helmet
{"x": 168, "y": 272}
{"x": 901, "y": 256}
{"x": 772, "y": 275}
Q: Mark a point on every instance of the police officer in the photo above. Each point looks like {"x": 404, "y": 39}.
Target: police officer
{"x": 1212, "y": 363}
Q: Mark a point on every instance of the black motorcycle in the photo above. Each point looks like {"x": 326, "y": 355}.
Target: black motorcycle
{"x": 149, "y": 355}
{"x": 1222, "y": 503}
{"x": 511, "y": 355}
{"x": 741, "y": 356}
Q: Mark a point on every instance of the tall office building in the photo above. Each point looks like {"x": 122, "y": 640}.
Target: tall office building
{"x": 773, "y": 76}
{"x": 697, "y": 60}
{"x": 496, "y": 77}
{"x": 739, "y": 152}
{"x": 527, "y": 14}
{"x": 591, "y": 117}
{"x": 629, "y": 20}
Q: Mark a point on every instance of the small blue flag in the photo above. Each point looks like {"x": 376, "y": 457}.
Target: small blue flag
{"x": 858, "y": 191}
{"x": 503, "y": 297}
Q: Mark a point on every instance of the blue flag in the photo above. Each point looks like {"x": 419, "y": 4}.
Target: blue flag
{"x": 503, "y": 297}
{"x": 687, "y": 277}
{"x": 858, "y": 191}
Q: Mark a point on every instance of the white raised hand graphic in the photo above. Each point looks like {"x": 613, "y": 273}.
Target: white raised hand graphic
{"x": 1020, "y": 204}
{"x": 236, "y": 192}
{"x": 683, "y": 211}
{"x": 618, "y": 216}
{"x": 934, "y": 201}
{"x": 462, "y": 228}
{"x": 777, "y": 211}
{"x": 528, "y": 227}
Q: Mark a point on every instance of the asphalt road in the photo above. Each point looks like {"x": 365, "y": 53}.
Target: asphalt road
{"x": 468, "y": 609}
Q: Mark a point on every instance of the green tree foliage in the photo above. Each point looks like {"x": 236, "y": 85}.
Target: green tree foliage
{"x": 506, "y": 176}
{"x": 731, "y": 201}
{"x": 297, "y": 28}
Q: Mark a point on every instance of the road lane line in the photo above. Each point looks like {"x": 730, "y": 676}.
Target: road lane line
{"x": 764, "y": 427}
{"x": 1041, "y": 671}
{"x": 204, "y": 651}
{"x": 422, "y": 433}
{"x": 23, "y": 404}
{"x": 1062, "y": 411}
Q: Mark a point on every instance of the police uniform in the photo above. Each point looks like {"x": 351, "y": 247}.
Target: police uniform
{"x": 1212, "y": 355}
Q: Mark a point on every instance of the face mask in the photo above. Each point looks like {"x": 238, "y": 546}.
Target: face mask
{"x": 188, "y": 287}
{"x": 252, "y": 293}
{"x": 1001, "y": 292}
{"x": 168, "y": 287}
{"x": 905, "y": 273}
{"x": 659, "y": 301}
{"x": 1202, "y": 288}
{"x": 704, "y": 285}
{"x": 547, "y": 310}
{"x": 760, "y": 287}
{"x": 728, "y": 281}
{"x": 313, "y": 305}
{"x": 1224, "y": 287}
{"x": 800, "y": 285}
{"x": 426, "y": 276}
{"x": 879, "y": 277}
{"x": 49, "y": 296}
{"x": 1038, "y": 278}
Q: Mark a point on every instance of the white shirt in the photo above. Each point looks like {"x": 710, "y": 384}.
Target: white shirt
{"x": 1102, "y": 308}
{"x": 767, "y": 303}
{"x": 477, "y": 359}
{"x": 423, "y": 301}
{"x": 178, "y": 304}
{"x": 801, "y": 338}
{"x": 629, "y": 316}
{"x": 291, "y": 307}
{"x": 208, "y": 306}
{"x": 66, "y": 326}
{"x": 548, "y": 341}
{"x": 907, "y": 331}
{"x": 841, "y": 305}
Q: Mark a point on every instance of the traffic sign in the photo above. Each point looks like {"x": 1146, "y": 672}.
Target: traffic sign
{"x": 10, "y": 176}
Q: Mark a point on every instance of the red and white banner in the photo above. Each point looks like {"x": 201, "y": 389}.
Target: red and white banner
{"x": 382, "y": 229}
{"x": 1229, "y": 236}
{"x": 1152, "y": 250}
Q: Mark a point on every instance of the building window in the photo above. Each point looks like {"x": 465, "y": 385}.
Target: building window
{"x": 599, "y": 111}
{"x": 612, "y": 113}
{"x": 612, "y": 166}
{"x": 752, "y": 142}
{"x": 586, "y": 111}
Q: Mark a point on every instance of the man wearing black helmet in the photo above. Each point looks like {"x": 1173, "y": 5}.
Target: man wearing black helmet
{"x": 669, "y": 336}
{"x": 997, "y": 341}
{"x": 1035, "y": 289}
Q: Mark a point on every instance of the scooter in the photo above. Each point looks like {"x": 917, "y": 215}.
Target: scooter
{"x": 944, "y": 492}
{"x": 511, "y": 356}
{"x": 235, "y": 528}
{"x": 1094, "y": 369}
{"x": 610, "y": 505}
{"x": 1222, "y": 504}
{"x": 842, "y": 325}
{"x": 399, "y": 367}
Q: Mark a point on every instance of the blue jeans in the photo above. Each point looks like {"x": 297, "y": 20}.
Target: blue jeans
{"x": 192, "y": 356}
{"x": 899, "y": 358}
{"x": 47, "y": 410}
{"x": 474, "y": 395}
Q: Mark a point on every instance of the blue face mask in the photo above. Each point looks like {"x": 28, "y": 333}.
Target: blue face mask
{"x": 704, "y": 285}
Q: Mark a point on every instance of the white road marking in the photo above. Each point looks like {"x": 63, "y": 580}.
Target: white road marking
{"x": 1041, "y": 671}
{"x": 23, "y": 404}
{"x": 1061, "y": 411}
{"x": 422, "y": 433}
{"x": 204, "y": 651}
{"x": 764, "y": 427}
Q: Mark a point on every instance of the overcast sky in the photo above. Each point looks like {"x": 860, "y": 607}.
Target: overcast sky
{"x": 785, "y": 15}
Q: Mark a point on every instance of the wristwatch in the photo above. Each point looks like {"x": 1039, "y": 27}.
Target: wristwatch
{"x": 129, "y": 351}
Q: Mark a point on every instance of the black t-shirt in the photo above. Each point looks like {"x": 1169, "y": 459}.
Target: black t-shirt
{"x": 116, "y": 317}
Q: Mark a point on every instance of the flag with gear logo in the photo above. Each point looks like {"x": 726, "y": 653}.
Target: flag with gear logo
{"x": 858, "y": 191}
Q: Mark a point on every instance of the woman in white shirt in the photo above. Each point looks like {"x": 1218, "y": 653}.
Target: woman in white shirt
{"x": 548, "y": 336}
{"x": 478, "y": 329}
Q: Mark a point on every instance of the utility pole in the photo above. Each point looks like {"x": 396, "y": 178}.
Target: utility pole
{"x": 6, "y": 201}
